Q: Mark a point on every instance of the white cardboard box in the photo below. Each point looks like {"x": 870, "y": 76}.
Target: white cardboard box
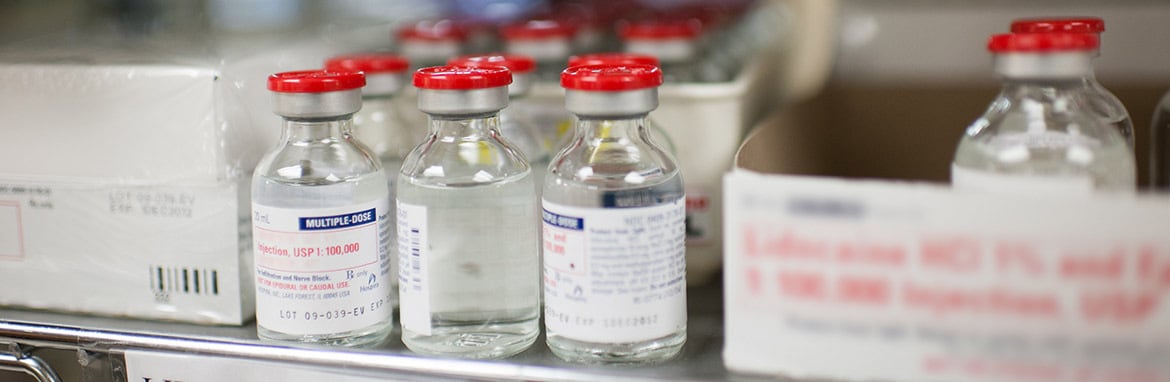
{"x": 123, "y": 191}
{"x": 874, "y": 280}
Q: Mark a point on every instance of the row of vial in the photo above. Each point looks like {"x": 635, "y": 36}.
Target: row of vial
{"x": 466, "y": 218}
{"x": 700, "y": 42}
{"x": 1053, "y": 129}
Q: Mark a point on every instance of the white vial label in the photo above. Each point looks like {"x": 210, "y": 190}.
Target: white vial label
{"x": 966, "y": 179}
{"x": 414, "y": 297}
{"x": 321, "y": 271}
{"x": 615, "y": 274}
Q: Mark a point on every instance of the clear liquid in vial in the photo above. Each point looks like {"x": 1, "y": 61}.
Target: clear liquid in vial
{"x": 365, "y": 189}
{"x": 565, "y": 192}
{"x": 482, "y": 267}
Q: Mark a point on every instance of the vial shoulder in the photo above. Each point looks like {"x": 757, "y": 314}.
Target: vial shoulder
{"x": 590, "y": 169}
{"x": 319, "y": 164}
{"x": 464, "y": 162}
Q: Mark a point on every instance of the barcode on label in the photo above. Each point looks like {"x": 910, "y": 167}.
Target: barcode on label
{"x": 415, "y": 253}
{"x": 168, "y": 280}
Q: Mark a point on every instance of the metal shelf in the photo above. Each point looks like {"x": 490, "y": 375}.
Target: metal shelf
{"x": 106, "y": 339}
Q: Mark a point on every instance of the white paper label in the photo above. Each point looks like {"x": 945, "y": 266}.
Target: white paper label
{"x": 11, "y": 231}
{"x": 615, "y": 274}
{"x": 170, "y": 252}
{"x": 966, "y": 179}
{"x": 913, "y": 282}
{"x": 413, "y": 284}
{"x": 321, "y": 271}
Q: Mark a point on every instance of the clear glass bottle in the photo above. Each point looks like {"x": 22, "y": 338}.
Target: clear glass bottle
{"x": 674, "y": 42}
{"x": 430, "y": 43}
{"x": 659, "y": 135}
{"x": 426, "y": 43}
{"x": 1097, "y": 98}
{"x": 1037, "y": 137}
{"x": 378, "y": 125}
{"x": 516, "y": 122}
{"x": 1160, "y": 146}
{"x": 468, "y": 236}
{"x": 549, "y": 42}
{"x": 320, "y": 219}
{"x": 614, "y": 254}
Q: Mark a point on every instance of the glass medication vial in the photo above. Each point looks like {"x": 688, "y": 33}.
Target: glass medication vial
{"x": 614, "y": 254}
{"x": 430, "y": 42}
{"x": 1160, "y": 146}
{"x": 1036, "y": 137}
{"x": 426, "y": 43}
{"x": 674, "y": 42}
{"x": 549, "y": 42}
{"x": 657, "y": 133}
{"x": 378, "y": 125}
{"x": 320, "y": 219}
{"x": 516, "y": 122}
{"x": 1099, "y": 99}
{"x": 468, "y": 234}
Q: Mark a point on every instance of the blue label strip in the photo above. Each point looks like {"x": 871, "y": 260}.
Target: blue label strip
{"x": 317, "y": 223}
{"x": 566, "y": 222}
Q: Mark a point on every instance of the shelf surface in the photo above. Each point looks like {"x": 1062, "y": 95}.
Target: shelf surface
{"x": 700, "y": 359}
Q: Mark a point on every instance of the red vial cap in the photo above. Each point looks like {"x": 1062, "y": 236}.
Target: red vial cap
{"x": 613, "y": 59}
{"x": 537, "y": 29}
{"x": 1069, "y": 24}
{"x": 432, "y": 30}
{"x": 368, "y": 63}
{"x": 462, "y": 77}
{"x": 315, "y": 81}
{"x": 660, "y": 29}
{"x": 1042, "y": 42}
{"x": 611, "y": 77}
{"x": 514, "y": 62}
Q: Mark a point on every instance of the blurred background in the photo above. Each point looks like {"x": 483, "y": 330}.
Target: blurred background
{"x": 899, "y": 77}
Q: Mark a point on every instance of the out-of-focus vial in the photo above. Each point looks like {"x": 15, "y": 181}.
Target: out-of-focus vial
{"x": 467, "y": 228}
{"x": 1160, "y": 146}
{"x": 516, "y": 122}
{"x": 320, "y": 224}
{"x": 585, "y": 18}
{"x": 613, "y": 215}
{"x": 429, "y": 43}
{"x": 549, "y": 42}
{"x": 613, "y": 58}
{"x": 675, "y": 42}
{"x": 1099, "y": 100}
{"x": 378, "y": 125}
{"x": 659, "y": 135}
{"x": 1037, "y": 137}
{"x": 481, "y": 33}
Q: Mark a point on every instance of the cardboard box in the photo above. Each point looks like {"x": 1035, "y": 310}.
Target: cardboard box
{"x": 123, "y": 188}
{"x": 884, "y": 280}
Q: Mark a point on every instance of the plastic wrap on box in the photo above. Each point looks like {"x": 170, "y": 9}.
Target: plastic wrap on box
{"x": 123, "y": 188}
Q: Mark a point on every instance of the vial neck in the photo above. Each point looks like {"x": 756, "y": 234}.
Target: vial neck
{"x": 1044, "y": 66}
{"x": 464, "y": 127}
{"x": 310, "y": 130}
{"x": 1046, "y": 85}
{"x": 612, "y": 129}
